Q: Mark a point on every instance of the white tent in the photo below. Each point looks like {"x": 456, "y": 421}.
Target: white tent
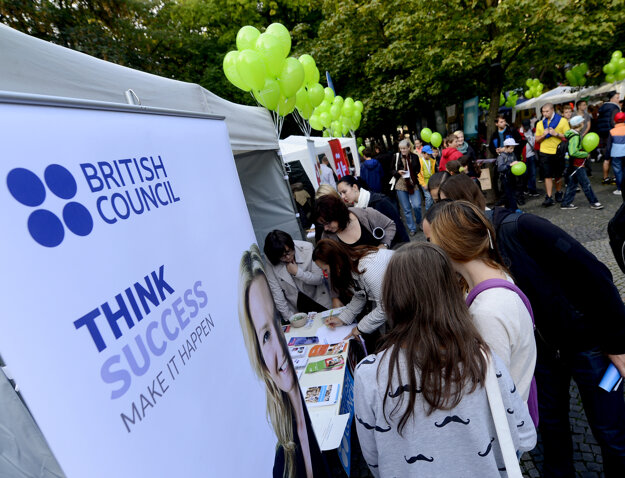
{"x": 565, "y": 94}
{"x": 307, "y": 152}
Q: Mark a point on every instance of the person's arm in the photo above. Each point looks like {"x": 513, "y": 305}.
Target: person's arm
{"x": 365, "y": 399}
{"x": 314, "y": 276}
{"x": 529, "y": 136}
{"x": 541, "y": 133}
{"x": 574, "y": 150}
{"x": 352, "y": 309}
{"x": 519, "y": 421}
{"x": 493, "y": 327}
{"x": 608, "y": 148}
{"x": 377, "y": 219}
{"x": 587, "y": 127}
{"x": 277, "y": 293}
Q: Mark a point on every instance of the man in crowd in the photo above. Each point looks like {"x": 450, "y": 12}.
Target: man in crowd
{"x": 327, "y": 175}
{"x": 549, "y": 134}
{"x": 605, "y": 122}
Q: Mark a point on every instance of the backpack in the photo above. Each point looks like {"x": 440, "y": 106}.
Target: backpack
{"x": 562, "y": 152}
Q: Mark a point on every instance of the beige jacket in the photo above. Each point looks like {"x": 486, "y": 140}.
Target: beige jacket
{"x": 309, "y": 280}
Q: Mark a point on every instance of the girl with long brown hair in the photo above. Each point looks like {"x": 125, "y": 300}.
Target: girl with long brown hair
{"x": 499, "y": 313}
{"x": 356, "y": 275}
{"x": 420, "y": 405}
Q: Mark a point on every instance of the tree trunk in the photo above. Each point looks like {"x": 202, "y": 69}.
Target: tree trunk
{"x": 496, "y": 84}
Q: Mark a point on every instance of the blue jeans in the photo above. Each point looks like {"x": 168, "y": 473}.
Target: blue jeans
{"x": 429, "y": 202}
{"x": 617, "y": 166}
{"x": 530, "y": 162}
{"x": 410, "y": 202}
{"x": 605, "y": 410}
{"x": 580, "y": 177}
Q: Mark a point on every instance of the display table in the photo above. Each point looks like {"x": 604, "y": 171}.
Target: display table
{"x": 329, "y": 421}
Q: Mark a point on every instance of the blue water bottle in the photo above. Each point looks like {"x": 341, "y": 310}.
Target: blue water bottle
{"x": 611, "y": 379}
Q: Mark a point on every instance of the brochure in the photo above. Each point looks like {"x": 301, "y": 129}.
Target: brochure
{"x": 331, "y": 363}
{"x": 303, "y": 341}
{"x": 297, "y": 352}
{"x": 328, "y": 349}
{"x": 300, "y": 362}
{"x": 320, "y": 395}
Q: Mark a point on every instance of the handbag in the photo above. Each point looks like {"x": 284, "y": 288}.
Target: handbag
{"x": 498, "y": 412}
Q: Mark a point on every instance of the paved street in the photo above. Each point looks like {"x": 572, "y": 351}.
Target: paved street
{"x": 590, "y": 228}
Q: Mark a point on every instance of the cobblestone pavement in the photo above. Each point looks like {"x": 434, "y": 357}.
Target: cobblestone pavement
{"x": 588, "y": 226}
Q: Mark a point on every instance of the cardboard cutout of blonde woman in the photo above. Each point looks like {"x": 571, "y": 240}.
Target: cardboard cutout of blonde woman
{"x": 297, "y": 451}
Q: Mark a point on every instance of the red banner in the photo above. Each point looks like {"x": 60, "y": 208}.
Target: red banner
{"x": 340, "y": 161}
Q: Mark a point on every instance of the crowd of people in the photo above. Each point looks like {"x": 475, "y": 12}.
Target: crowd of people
{"x": 496, "y": 303}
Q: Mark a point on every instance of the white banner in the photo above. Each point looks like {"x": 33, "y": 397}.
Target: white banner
{"x": 122, "y": 236}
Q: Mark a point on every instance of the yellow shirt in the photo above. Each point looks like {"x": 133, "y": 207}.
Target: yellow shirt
{"x": 550, "y": 145}
{"x": 428, "y": 167}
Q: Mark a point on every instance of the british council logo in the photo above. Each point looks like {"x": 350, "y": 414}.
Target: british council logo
{"x": 44, "y": 226}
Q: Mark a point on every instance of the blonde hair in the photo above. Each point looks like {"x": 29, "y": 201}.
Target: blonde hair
{"x": 279, "y": 407}
{"x": 326, "y": 190}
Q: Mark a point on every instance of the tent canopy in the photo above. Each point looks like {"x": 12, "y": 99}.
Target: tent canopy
{"x": 30, "y": 65}
{"x": 566, "y": 94}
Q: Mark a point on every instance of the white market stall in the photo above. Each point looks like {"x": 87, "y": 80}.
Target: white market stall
{"x": 565, "y": 94}
{"x": 308, "y": 150}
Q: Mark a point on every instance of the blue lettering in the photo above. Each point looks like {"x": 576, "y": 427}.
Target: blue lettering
{"x": 160, "y": 283}
{"x": 136, "y": 369}
{"x": 92, "y": 177}
{"x": 200, "y": 294}
{"x": 147, "y": 169}
{"x": 108, "y": 174}
{"x": 112, "y": 376}
{"x": 157, "y": 351}
{"x": 119, "y": 214}
{"x": 144, "y": 294}
{"x": 189, "y": 302}
{"x": 179, "y": 311}
{"x": 152, "y": 198}
{"x": 101, "y": 199}
{"x": 168, "y": 333}
{"x": 113, "y": 317}
{"x": 158, "y": 166}
{"x": 164, "y": 203}
{"x": 89, "y": 321}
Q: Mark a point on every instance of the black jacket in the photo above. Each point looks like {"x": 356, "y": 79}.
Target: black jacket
{"x": 605, "y": 119}
{"x": 576, "y": 305}
{"x": 382, "y": 204}
{"x": 493, "y": 144}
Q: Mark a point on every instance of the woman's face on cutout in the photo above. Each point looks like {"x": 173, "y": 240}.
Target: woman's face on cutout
{"x": 349, "y": 194}
{"x": 262, "y": 314}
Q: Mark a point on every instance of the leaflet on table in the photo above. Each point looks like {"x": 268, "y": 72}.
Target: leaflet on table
{"x": 327, "y": 349}
{"x": 334, "y": 335}
{"x": 300, "y": 362}
{"x": 298, "y": 352}
{"x": 321, "y": 395}
{"x": 303, "y": 341}
{"x": 331, "y": 363}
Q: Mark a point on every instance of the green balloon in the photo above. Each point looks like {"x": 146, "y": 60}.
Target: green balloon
{"x": 251, "y": 68}
{"x": 269, "y": 94}
{"x": 426, "y": 134}
{"x": 620, "y": 64}
{"x": 590, "y": 142}
{"x": 231, "y": 72}
{"x": 329, "y": 94}
{"x": 349, "y": 101}
{"x": 528, "y": 94}
{"x": 359, "y": 106}
{"x": 306, "y": 111}
{"x": 436, "y": 139}
{"x": 338, "y": 100}
{"x": 246, "y": 37}
{"x": 617, "y": 55}
{"x": 285, "y": 105}
{"x": 334, "y": 126}
{"x": 280, "y": 31}
{"x": 292, "y": 77}
{"x": 348, "y": 108}
{"x": 609, "y": 68}
{"x": 356, "y": 116}
{"x": 326, "y": 133}
{"x": 301, "y": 98}
{"x": 583, "y": 68}
{"x": 326, "y": 119}
{"x": 528, "y": 82}
{"x": 324, "y": 106}
{"x": 518, "y": 169}
{"x": 314, "y": 78}
{"x": 610, "y": 78}
{"x": 582, "y": 81}
{"x": 361, "y": 149}
{"x": 620, "y": 75}
{"x": 356, "y": 124}
{"x": 571, "y": 78}
{"x": 270, "y": 49}
{"x": 315, "y": 122}
{"x": 311, "y": 73}
{"x": 315, "y": 94}
{"x": 335, "y": 112}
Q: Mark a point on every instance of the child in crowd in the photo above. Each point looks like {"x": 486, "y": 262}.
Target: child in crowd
{"x": 453, "y": 167}
{"x": 575, "y": 172}
{"x": 505, "y": 161}
{"x": 450, "y": 153}
{"x": 428, "y": 167}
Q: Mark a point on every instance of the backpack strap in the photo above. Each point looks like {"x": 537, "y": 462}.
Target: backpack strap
{"x": 499, "y": 283}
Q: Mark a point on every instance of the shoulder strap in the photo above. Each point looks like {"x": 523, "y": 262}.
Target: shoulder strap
{"x": 499, "y": 283}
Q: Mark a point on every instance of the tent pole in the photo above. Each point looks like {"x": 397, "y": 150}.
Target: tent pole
{"x": 288, "y": 185}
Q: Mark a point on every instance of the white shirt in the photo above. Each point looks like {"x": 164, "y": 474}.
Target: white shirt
{"x": 327, "y": 176}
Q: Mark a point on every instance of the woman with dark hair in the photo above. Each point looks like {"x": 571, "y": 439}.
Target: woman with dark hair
{"x": 295, "y": 280}
{"x": 435, "y": 182}
{"x": 353, "y": 226}
{"x": 353, "y": 194}
{"x": 462, "y": 187}
{"x": 297, "y": 451}
{"x": 499, "y": 313}
{"x": 356, "y": 275}
{"x": 420, "y": 403}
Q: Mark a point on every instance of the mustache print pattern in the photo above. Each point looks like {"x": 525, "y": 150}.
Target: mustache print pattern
{"x": 521, "y": 424}
{"x": 419, "y": 457}
{"x": 510, "y": 411}
{"x": 514, "y": 389}
{"x": 401, "y": 389}
{"x": 366, "y": 362}
{"x": 498, "y": 374}
{"x": 488, "y": 449}
{"x": 372, "y": 427}
{"x": 455, "y": 418}
{"x": 372, "y": 466}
